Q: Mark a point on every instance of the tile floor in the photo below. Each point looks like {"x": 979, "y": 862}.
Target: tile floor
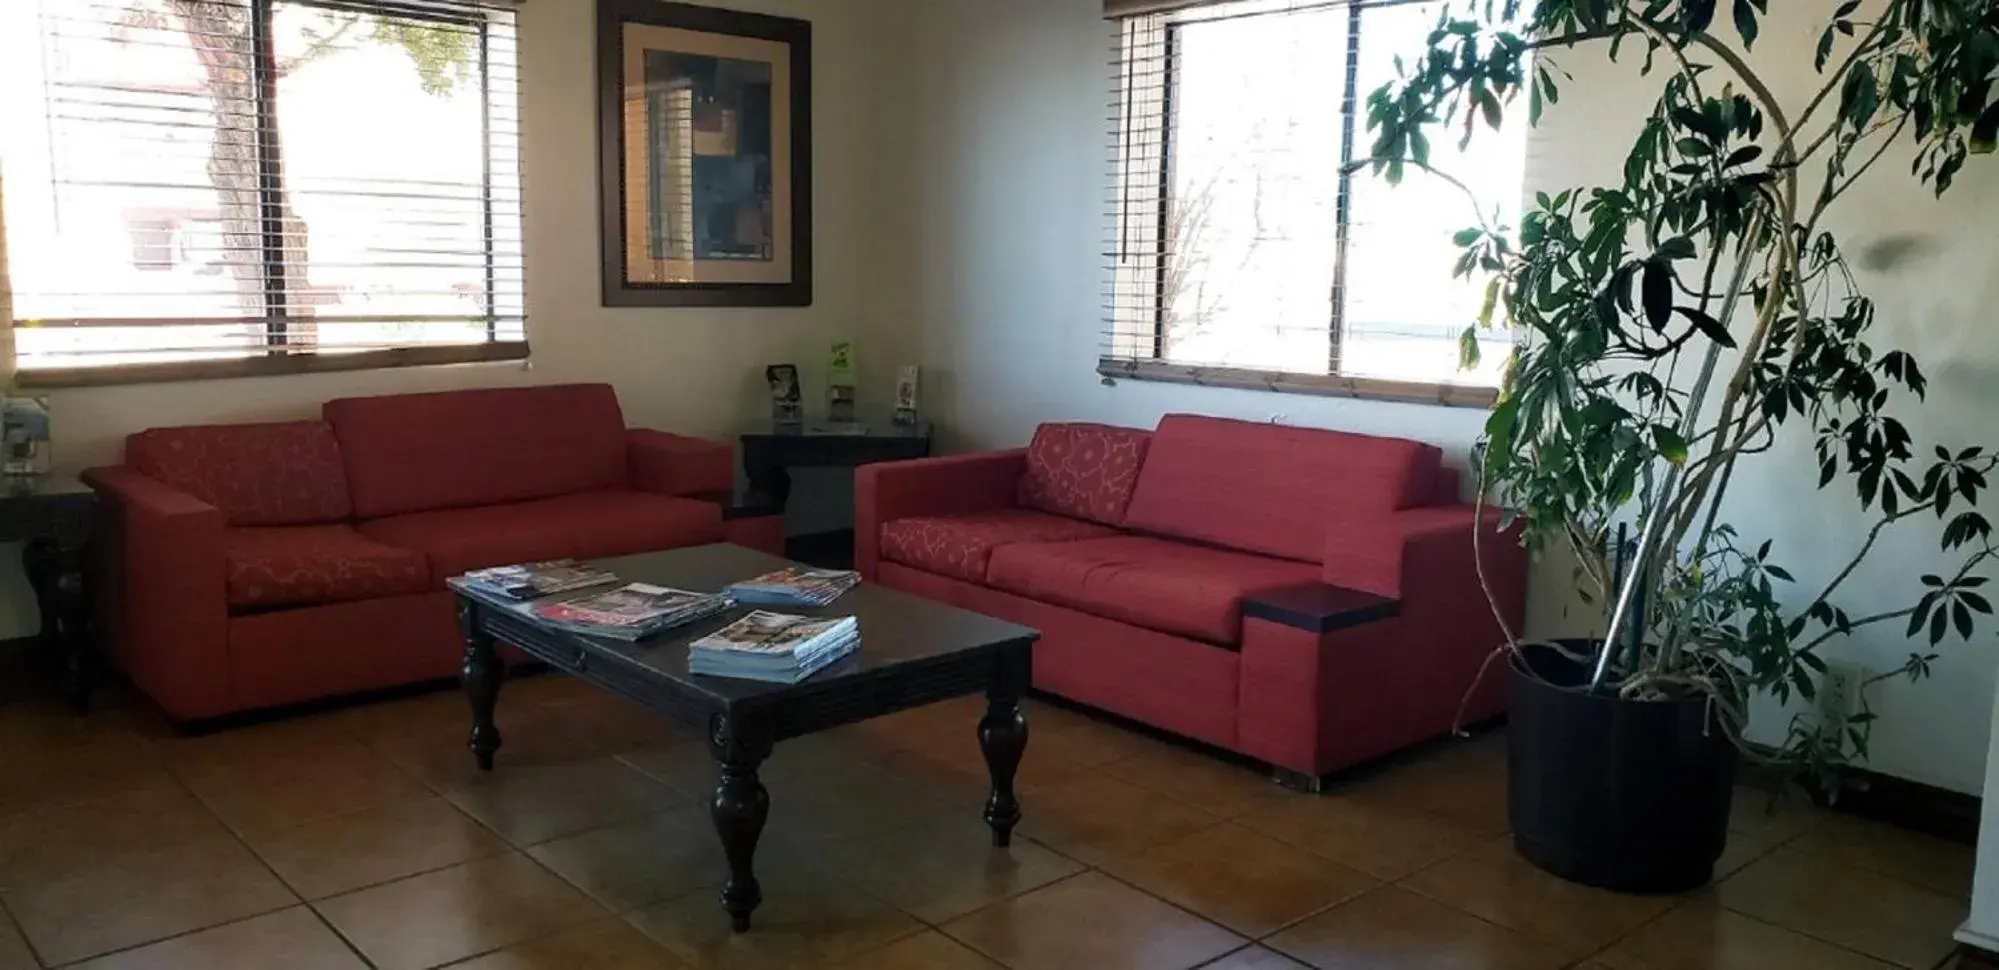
{"x": 363, "y": 838}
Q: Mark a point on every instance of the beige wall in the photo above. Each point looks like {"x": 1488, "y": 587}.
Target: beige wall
{"x": 1010, "y": 224}
{"x": 696, "y": 371}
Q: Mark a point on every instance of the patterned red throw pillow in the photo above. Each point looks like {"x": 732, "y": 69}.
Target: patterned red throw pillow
{"x": 1084, "y": 471}
{"x": 283, "y": 473}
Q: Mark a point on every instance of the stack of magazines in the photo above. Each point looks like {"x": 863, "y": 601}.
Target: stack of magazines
{"x": 795, "y": 586}
{"x": 629, "y": 612}
{"x": 531, "y": 580}
{"x": 773, "y": 647}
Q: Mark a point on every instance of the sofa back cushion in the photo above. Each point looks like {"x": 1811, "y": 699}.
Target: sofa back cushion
{"x": 1083, "y": 471}
{"x": 1270, "y": 488}
{"x": 284, "y": 473}
{"x": 418, "y": 452}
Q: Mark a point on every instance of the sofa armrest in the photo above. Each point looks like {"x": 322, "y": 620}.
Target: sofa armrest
{"x": 951, "y": 484}
{"x": 1316, "y": 699}
{"x": 671, "y": 464}
{"x": 169, "y": 611}
{"x": 1425, "y": 557}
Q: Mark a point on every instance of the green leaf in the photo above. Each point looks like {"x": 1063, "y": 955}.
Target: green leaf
{"x": 1670, "y": 444}
{"x": 1859, "y": 96}
{"x": 1745, "y": 23}
{"x": 1468, "y": 352}
{"x": 1709, "y": 327}
{"x": 1678, "y": 247}
{"x": 1465, "y": 237}
{"x": 1489, "y": 106}
{"x": 1985, "y": 133}
{"x": 1699, "y": 14}
{"x": 1656, "y": 286}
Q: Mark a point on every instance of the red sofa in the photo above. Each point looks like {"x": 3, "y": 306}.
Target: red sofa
{"x": 1166, "y": 571}
{"x": 258, "y": 565}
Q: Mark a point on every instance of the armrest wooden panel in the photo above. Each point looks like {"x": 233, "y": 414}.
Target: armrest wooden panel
{"x": 1319, "y": 607}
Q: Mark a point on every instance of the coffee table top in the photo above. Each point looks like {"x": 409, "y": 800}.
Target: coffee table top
{"x": 897, "y": 630}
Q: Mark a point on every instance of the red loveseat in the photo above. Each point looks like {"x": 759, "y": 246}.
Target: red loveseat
{"x": 258, "y": 565}
{"x": 1304, "y": 597}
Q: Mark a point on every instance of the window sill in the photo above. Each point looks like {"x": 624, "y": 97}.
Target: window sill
{"x": 1407, "y": 392}
{"x": 267, "y": 366}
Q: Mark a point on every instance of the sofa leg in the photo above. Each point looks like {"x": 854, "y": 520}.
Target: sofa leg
{"x": 1298, "y": 780}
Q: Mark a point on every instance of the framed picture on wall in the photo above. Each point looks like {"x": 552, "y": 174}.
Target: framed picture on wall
{"x": 704, "y": 126}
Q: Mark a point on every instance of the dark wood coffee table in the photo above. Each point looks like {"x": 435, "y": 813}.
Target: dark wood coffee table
{"x": 913, "y": 652}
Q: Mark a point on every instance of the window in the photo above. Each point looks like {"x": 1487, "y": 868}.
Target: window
{"x": 216, "y": 187}
{"x": 1240, "y": 254}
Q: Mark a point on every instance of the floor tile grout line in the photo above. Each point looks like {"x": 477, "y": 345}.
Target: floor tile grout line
{"x": 1797, "y": 837}
{"x": 1889, "y": 961}
{"x": 1379, "y": 884}
{"x": 1217, "y": 960}
{"x": 351, "y": 946}
{"x": 238, "y": 839}
{"x": 21, "y": 932}
{"x": 1155, "y": 896}
{"x": 169, "y": 939}
{"x": 975, "y": 947}
{"x": 606, "y": 911}
{"x": 1635, "y": 930}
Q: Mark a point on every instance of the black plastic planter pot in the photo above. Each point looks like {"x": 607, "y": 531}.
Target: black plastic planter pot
{"x": 1624, "y": 795}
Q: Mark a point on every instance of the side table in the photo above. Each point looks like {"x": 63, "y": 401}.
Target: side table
{"x": 771, "y": 450}
{"x": 54, "y": 517}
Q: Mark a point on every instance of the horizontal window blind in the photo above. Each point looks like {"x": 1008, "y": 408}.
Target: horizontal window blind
{"x": 229, "y": 180}
{"x": 1237, "y": 244}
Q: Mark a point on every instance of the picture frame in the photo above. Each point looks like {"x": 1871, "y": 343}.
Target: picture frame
{"x": 704, "y": 131}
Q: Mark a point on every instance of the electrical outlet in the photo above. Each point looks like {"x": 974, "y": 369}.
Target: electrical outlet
{"x": 1839, "y": 693}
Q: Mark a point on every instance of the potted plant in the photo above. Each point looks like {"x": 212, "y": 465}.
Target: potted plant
{"x": 1667, "y": 328}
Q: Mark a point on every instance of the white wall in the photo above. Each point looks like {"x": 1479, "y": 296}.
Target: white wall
{"x": 1010, "y": 131}
{"x": 693, "y": 371}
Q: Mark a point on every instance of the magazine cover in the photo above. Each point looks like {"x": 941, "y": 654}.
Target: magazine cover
{"x": 528, "y": 580}
{"x": 627, "y": 605}
{"x": 800, "y": 578}
{"x": 763, "y": 632}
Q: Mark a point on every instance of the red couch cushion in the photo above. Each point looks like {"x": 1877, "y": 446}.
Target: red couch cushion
{"x": 300, "y": 565}
{"x": 1083, "y": 471}
{"x": 1271, "y": 488}
{"x": 959, "y": 545}
{"x": 286, "y": 473}
{"x": 587, "y": 525}
{"x": 418, "y": 452}
{"x": 1158, "y": 584}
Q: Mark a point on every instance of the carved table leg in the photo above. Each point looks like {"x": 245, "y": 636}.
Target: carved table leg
{"x": 481, "y": 676}
{"x": 769, "y": 482}
{"x": 739, "y": 808}
{"x": 56, "y": 571}
{"x": 1003, "y": 738}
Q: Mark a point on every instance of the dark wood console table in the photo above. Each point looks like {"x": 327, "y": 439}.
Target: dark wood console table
{"x": 771, "y": 450}
{"x": 54, "y": 516}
